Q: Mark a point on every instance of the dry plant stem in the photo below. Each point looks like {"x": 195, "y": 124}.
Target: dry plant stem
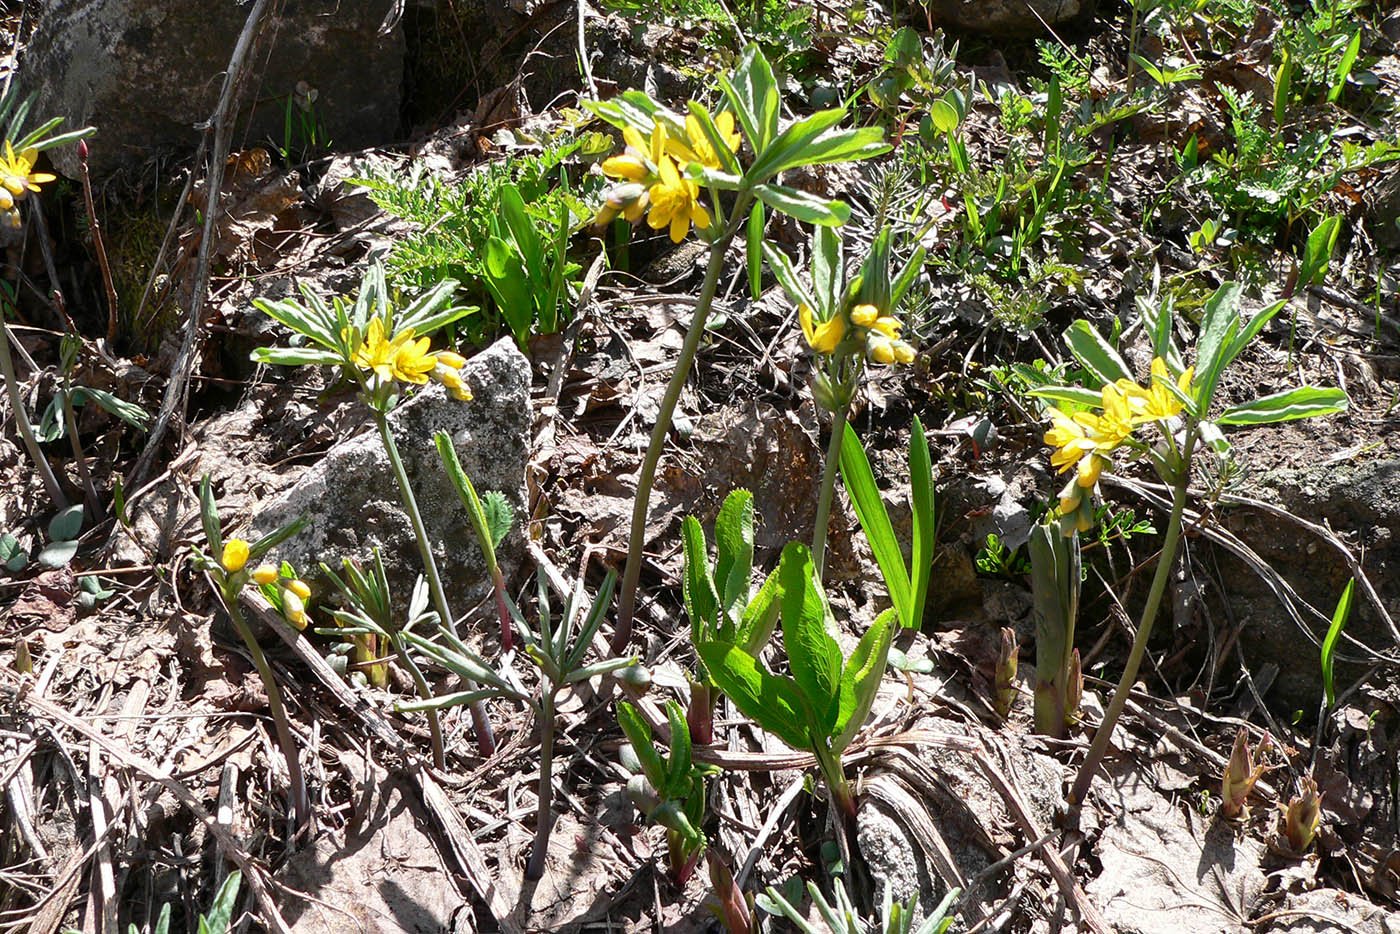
{"x": 627, "y": 599}
{"x": 26, "y": 431}
{"x": 1149, "y": 616}
{"x": 833, "y": 460}
{"x": 100, "y": 249}
{"x": 485, "y": 737}
{"x": 544, "y": 817}
{"x": 301, "y": 804}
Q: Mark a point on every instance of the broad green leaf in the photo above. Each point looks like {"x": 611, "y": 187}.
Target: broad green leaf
{"x": 1075, "y": 395}
{"x": 921, "y": 500}
{"x": 66, "y": 525}
{"x": 1302, "y": 402}
{"x": 276, "y": 537}
{"x": 860, "y": 485}
{"x": 678, "y": 776}
{"x": 1317, "y": 254}
{"x": 944, "y": 116}
{"x": 1215, "y": 346}
{"x": 209, "y": 516}
{"x": 1329, "y": 644}
{"x": 734, "y": 552}
{"x": 786, "y": 150}
{"x": 828, "y": 269}
{"x": 639, "y": 735}
{"x": 906, "y": 277}
{"x": 712, "y": 178}
{"x": 860, "y": 680}
{"x": 500, "y": 515}
{"x": 129, "y": 412}
{"x": 752, "y": 92}
{"x": 829, "y": 146}
{"x": 298, "y": 318}
{"x": 1251, "y": 327}
{"x": 813, "y": 655}
{"x": 807, "y": 208}
{"x": 773, "y": 702}
{"x": 1094, "y": 353}
{"x": 425, "y": 308}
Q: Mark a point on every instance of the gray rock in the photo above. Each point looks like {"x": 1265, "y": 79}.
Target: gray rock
{"x": 145, "y": 72}
{"x": 1382, "y": 212}
{"x": 1005, "y": 17}
{"x": 353, "y": 502}
{"x": 1361, "y": 502}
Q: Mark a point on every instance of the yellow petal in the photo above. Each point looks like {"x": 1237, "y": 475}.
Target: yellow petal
{"x": 700, "y": 216}
{"x": 633, "y": 137}
{"x": 864, "y": 315}
{"x": 235, "y": 553}
{"x": 680, "y": 226}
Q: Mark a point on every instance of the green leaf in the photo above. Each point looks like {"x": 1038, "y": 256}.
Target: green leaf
{"x": 860, "y": 680}
{"x": 734, "y": 552}
{"x": 812, "y": 141}
{"x": 1075, "y": 395}
{"x": 787, "y": 276}
{"x": 1317, "y": 254}
{"x": 944, "y": 116}
{"x": 1252, "y": 327}
{"x": 221, "y": 912}
{"x": 807, "y": 208}
{"x": 1302, "y": 402}
{"x": 1329, "y": 644}
{"x": 773, "y": 702}
{"x": 754, "y": 247}
{"x": 752, "y": 92}
{"x": 12, "y": 556}
{"x": 678, "y": 776}
{"x": 1094, "y": 353}
{"x": 828, "y": 270}
{"x": 58, "y": 554}
{"x": 925, "y": 523}
{"x": 500, "y": 515}
{"x": 875, "y": 522}
{"x": 209, "y": 516}
{"x": 813, "y": 655}
{"x": 907, "y": 276}
{"x": 1215, "y": 346}
{"x": 697, "y": 586}
{"x": 129, "y": 412}
{"x": 309, "y": 322}
{"x": 1344, "y": 66}
{"x": 760, "y": 617}
{"x": 66, "y": 525}
{"x": 296, "y": 356}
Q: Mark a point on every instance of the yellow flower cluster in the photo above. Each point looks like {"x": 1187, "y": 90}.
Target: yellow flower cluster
{"x": 878, "y": 333}
{"x": 1085, "y": 440}
{"x": 295, "y": 592}
{"x": 651, "y": 179}
{"x": 406, "y": 360}
{"x": 17, "y": 179}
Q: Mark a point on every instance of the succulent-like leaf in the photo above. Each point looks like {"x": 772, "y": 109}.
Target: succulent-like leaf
{"x": 860, "y": 680}
{"x": 813, "y": 655}
{"x": 773, "y": 702}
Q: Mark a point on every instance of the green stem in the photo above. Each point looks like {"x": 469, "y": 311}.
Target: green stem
{"x": 833, "y": 460}
{"x": 1144, "y": 632}
{"x": 301, "y": 803}
{"x": 70, "y": 419}
{"x": 485, "y": 738}
{"x": 837, "y": 786}
{"x": 26, "y": 433}
{"x": 544, "y": 817}
{"x": 636, "y": 539}
{"x": 425, "y": 692}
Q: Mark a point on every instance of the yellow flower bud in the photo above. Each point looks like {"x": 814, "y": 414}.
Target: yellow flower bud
{"x": 7, "y": 200}
{"x": 887, "y": 326}
{"x": 903, "y": 353}
{"x": 294, "y": 609}
{"x": 298, "y": 586}
{"x": 864, "y": 315}
{"x": 451, "y": 359}
{"x": 461, "y": 395}
{"x": 265, "y": 574}
{"x": 235, "y": 555}
{"x": 880, "y": 348}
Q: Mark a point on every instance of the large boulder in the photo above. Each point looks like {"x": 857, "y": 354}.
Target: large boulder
{"x": 147, "y": 72}
{"x": 352, "y": 501}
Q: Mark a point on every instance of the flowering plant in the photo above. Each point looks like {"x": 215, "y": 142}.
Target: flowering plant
{"x": 1092, "y": 427}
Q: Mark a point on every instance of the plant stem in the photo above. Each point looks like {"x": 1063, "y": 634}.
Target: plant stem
{"x": 833, "y": 461}
{"x": 26, "y": 432}
{"x": 1149, "y": 615}
{"x": 99, "y": 248}
{"x": 636, "y": 539}
{"x": 70, "y": 419}
{"x": 485, "y": 737}
{"x": 425, "y": 692}
{"x": 544, "y": 817}
{"x": 301, "y": 804}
